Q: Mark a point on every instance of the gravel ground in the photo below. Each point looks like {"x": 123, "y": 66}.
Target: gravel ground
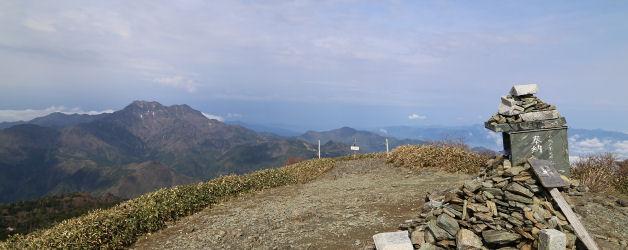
{"x": 605, "y": 217}
{"x": 343, "y": 209}
{"x": 340, "y": 210}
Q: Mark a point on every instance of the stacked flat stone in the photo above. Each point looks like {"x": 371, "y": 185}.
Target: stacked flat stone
{"x": 522, "y": 106}
{"x": 503, "y": 208}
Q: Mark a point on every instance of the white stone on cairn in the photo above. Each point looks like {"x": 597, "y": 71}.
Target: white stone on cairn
{"x": 524, "y": 89}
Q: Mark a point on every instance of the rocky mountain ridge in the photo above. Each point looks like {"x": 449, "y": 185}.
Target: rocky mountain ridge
{"x": 367, "y": 141}
{"x": 140, "y": 148}
{"x": 57, "y": 120}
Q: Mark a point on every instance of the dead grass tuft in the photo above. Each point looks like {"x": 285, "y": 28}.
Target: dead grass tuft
{"x": 454, "y": 159}
{"x": 602, "y": 173}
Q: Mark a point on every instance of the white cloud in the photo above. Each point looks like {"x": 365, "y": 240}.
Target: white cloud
{"x": 39, "y": 25}
{"x": 621, "y": 148}
{"x": 178, "y": 82}
{"x": 415, "y": 116}
{"x": 215, "y": 117}
{"x": 10, "y": 115}
{"x": 593, "y": 143}
{"x": 574, "y": 138}
{"x": 383, "y": 131}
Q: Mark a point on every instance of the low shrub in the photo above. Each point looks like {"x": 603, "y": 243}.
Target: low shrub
{"x": 121, "y": 225}
{"x": 447, "y": 141}
{"x": 622, "y": 175}
{"x": 602, "y": 173}
{"x": 453, "y": 159}
{"x": 361, "y": 156}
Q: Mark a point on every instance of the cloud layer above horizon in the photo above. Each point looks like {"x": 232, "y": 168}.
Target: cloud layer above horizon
{"x": 450, "y": 59}
{"x": 8, "y": 115}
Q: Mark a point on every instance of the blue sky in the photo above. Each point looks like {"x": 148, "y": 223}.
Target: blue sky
{"x": 316, "y": 64}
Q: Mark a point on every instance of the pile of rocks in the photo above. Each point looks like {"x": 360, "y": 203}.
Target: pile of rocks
{"x": 522, "y": 106}
{"x": 503, "y": 208}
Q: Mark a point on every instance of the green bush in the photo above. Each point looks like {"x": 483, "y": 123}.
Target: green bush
{"x": 121, "y": 225}
{"x": 446, "y": 158}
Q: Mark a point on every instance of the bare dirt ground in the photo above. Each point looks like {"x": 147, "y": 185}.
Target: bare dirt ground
{"x": 340, "y": 210}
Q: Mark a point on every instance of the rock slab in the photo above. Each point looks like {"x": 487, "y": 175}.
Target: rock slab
{"x": 393, "y": 241}
{"x": 466, "y": 239}
{"x": 539, "y": 115}
{"x": 552, "y": 239}
{"x": 509, "y": 107}
{"x": 499, "y": 237}
{"x": 448, "y": 224}
{"x": 524, "y": 89}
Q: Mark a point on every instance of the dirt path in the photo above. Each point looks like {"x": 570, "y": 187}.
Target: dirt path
{"x": 340, "y": 210}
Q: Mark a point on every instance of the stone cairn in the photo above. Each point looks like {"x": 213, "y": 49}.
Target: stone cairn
{"x": 504, "y": 207}
{"x": 522, "y": 106}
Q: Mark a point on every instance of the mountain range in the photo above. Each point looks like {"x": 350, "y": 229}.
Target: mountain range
{"x": 57, "y": 120}
{"x": 365, "y": 140}
{"x": 147, "y": 146}
{"x": 143, "y": 147}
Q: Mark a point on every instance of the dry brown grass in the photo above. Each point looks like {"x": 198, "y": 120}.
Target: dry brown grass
{"x": 622, "y": 175}
{"x": 360, "y": 156}
{"x": 454, "y": 159}
{"x": 449, "y": 141}
{"x": 602, "y": 173}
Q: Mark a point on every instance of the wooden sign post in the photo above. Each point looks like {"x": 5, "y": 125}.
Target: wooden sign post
{"x": 319, "y": 149}
{"x": 550, "y": 179}
{"x": 387, "y": 153}
{"x": 355, "y": 147}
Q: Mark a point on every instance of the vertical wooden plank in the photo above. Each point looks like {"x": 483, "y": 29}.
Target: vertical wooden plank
{"x": 581, "y": 232}
{"x": 319, "y": 149}
{"x": 387, "y": 146}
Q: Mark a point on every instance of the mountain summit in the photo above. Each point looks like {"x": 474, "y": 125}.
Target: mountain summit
{"x": 176, "y": 127}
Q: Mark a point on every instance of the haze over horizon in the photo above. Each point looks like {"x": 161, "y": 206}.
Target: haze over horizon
{"x": 316, "y": 64}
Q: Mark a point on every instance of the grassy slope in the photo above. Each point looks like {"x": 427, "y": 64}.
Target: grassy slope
{"x": 121, "y": 225}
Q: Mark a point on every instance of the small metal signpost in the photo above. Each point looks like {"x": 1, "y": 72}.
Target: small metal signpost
{"x": 355, "y": 147}
{"x": 550, "y": 179}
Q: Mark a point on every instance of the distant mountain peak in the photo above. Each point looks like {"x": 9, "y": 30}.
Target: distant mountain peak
{"x": 347, "y": 130}
{"x": 144, "y": 106}
{"x": 142, "y": 103}
{"x": 148, "y": 110}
